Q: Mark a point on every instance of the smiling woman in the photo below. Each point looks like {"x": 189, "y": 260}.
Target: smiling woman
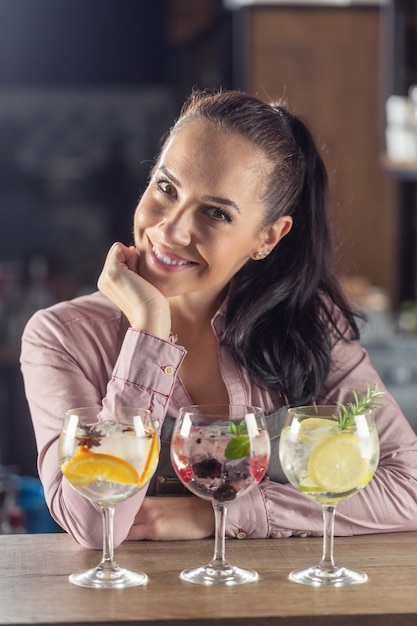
{"x": 201, "y": 215}
{"x": 226, "y": 296}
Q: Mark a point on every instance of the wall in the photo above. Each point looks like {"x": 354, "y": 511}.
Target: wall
{"x": 326, "y": 62}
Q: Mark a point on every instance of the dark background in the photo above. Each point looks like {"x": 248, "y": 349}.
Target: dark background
{"x": 114, "y": 42}
{"x": 87, "y": 88}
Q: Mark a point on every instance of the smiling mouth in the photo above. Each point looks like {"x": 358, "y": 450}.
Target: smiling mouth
{"x": 169, "y": 260}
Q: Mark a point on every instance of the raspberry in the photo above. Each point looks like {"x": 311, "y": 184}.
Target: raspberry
{"x": 258, "y": 467}
{"x": 186, "y": 474}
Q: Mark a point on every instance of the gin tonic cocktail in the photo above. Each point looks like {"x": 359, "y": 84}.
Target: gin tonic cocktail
{"x": 220, "y": 453}
{"x": 328, "y": 461}
{"x": 107, "y": 458}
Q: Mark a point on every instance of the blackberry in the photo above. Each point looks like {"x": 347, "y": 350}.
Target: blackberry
{"x": 238, "y": 471}
{"x": 225, "y": 493}
{"x": 209, "y": 468}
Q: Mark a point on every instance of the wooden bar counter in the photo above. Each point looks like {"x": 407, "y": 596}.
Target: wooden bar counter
{"x": 34, "y": 587}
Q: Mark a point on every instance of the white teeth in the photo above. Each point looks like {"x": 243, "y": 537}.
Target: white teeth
{"x": 167, "y": 260}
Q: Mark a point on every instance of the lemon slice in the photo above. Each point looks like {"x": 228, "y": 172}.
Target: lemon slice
{"x": 336, "y": 464}
{"x": 86, "y": 467}
{"x": 308, "y": 486}
{"x": 316, "y": 428}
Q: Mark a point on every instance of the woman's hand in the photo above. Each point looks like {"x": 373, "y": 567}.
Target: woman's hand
{"x": 173, "y": 518}
{"x": 143, "y": 305}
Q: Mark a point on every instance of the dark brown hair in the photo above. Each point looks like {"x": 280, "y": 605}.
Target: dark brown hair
{"x": 280, "y": 320}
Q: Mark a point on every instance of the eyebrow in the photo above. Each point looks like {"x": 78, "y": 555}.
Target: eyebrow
{"x": 225, "y": 201}
{"x": 215, "y": 199}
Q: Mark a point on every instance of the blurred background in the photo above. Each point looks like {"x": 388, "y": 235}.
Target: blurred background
{"x": 88, "y": 88}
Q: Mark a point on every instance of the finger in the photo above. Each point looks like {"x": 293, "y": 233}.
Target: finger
{"x": 118, "y": 252}
{"x": 139, "y": 532}
{"x": 121, "y": 258}
{"x": 111, "y": 268}
{"x": 134, "y": 534}
{"x": 132, "y": 258}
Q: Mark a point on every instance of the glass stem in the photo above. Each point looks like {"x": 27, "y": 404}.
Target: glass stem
{"x": 219, "y": 557}
{"x": 327, "y": 560}
{"x": 107, "y": 560}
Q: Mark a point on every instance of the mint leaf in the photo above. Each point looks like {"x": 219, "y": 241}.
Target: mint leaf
{"x": 242, "y": 429}
{"x": 239, "y": 429}
{"x": 237, "y": 448}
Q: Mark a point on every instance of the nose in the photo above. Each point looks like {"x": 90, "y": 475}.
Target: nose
{"x": 176, "y": 227}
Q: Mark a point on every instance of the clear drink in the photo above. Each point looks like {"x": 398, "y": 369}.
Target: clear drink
{"x": 107, "y": 456}
{"x": 108, "y": 462}
{"x": 326, "y": 463}
{"x": 330, "y": 453}
{"x": 220, "y": 452}
{"x": 201, "y": 462}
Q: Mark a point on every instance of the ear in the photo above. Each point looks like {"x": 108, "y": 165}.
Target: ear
{"x": 271, "y": 235}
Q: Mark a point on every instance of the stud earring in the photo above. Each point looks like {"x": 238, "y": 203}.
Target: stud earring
{"x": 259, "y": 255}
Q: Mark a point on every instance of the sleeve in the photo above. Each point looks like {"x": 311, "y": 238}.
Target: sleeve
{"x": 387, "y": 504}
{"x": 66, "y": 366}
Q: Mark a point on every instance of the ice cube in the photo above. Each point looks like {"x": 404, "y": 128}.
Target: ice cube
{"x": 110, "y": 427}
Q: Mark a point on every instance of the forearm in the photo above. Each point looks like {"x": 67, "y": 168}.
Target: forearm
{"x": 55, "y": 382}
{"x": 387, "y": 504}
{"x": 80, "y": 517}
{"x": 145, "y": 373}
{"x": 273, "y": 510}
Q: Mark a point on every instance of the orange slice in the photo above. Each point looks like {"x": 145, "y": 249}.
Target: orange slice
{"x": 150, "y": 463}
{"x": 86, "y": 467}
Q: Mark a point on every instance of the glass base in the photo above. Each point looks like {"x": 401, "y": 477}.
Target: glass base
{"x": 225, "y": 575}
{"x": 318, "y": 576}
{"x": 108, "y": 578}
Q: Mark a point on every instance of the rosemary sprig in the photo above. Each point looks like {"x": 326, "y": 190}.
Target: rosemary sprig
{"x": 363, "y": 402}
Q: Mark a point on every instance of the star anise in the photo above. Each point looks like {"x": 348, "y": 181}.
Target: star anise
{"x": 91, "y": 438}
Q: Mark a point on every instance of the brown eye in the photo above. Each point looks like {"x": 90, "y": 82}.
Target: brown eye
{"x": 166, "y": 187}
{"x": 219, "y": 215}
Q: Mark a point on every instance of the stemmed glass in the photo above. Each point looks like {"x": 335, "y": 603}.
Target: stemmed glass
{"x": 108, "y": 457}
{"x": 220, "y": 452}
{"x": 328, "y": 462}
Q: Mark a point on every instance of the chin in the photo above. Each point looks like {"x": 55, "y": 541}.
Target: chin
{"x": 165, "y": 289}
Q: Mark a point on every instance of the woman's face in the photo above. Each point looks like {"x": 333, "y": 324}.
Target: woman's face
{"x": 198, "y": 221}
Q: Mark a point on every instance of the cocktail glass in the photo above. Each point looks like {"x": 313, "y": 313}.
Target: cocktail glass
{"x": 328, "y": 463}
{"x": 220, "y": 453}
{"x": 108, "y": 457}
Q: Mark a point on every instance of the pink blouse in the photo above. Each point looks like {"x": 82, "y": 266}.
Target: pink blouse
{"x": 74, "y": 355}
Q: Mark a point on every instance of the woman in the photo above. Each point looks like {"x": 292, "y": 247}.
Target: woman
{"x": 227, "y": 295}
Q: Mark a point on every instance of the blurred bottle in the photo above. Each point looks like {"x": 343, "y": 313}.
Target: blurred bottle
{"x": 37, "y": 294}
{"x": 407, "y": 318}
{"x": 31, "y": 500}
{"x": 16, "y": 521}
{"x": 401, "y": 129}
